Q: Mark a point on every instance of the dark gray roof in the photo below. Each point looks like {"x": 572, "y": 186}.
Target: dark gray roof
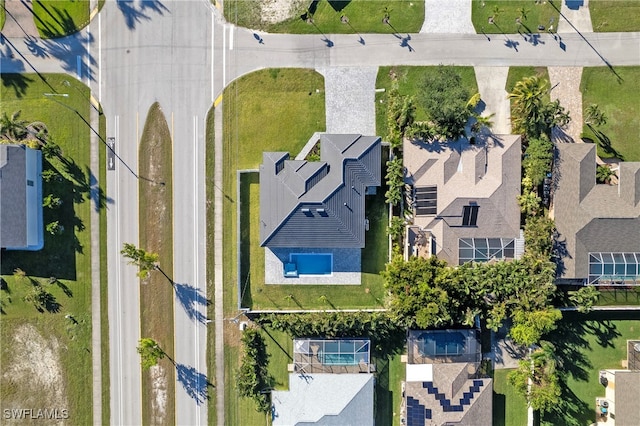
{"x": 20, "y": 203}
{"x": 319, "y": 204}
{"x": 591, "y": 217}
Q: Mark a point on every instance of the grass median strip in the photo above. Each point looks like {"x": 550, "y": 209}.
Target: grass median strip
{"x": 58, "y": 18}
{"x": 156, "y": 291}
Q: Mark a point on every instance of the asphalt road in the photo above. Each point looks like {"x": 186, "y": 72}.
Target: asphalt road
{"x": 152, "y": 51}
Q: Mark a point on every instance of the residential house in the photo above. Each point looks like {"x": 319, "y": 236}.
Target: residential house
{"x": 598, "y": 225}
{"x": 21, "y": 223}
{"x": 443, "y": 385}
{"x": 331, "y": 383}
{"x": 312, "y": 213}
{"x": 464, "y": 199}
{"x": 619, "y": 406}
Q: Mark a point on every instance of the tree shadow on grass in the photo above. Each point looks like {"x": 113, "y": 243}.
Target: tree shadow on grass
{"x": 194, "y": 383}
{"x": 191, "y": 298}
{"x": 18, "y": 82}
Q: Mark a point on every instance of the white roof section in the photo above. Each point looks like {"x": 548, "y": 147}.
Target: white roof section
{"x": 325, "y": 399}
{"x": 419, "y": 372}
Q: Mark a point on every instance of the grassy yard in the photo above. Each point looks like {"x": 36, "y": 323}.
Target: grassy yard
{"x": 58, "y": 18}
{"x": 615, "y": 15}
{"x": 3, "y": 15}
{"x": 504, "y": 15}
{"x": 210, "y": 264}
{"x": 48, "y": 362}
{"x": 408, "y": 78}
{"x": 389, "y": 378}
{"x": 616, "y": 95}
{"x": 619, "y": 296}
{"x": 586, "y": 344}
{"x": 509, "y": 408}
{"x": 364, "y": 16}
{"x": 156, "y": 236}
{"x": 253, "y": 109}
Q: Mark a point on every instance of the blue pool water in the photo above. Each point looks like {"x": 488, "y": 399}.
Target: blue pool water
{"x": 448, "y": 343}
{"x": 338, "y": 359}
{"x": 312, "y": 263}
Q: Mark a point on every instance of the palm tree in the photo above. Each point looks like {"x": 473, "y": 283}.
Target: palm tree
{"x": 145, "y": 261}
{"x": 522, "y": 13}
{"x": 594, "y": 116}
{"x": 387, "y": 14}
{"x": 496, "y": 11}
{"x": 527, "y": 99}
{"x": 150, "y": 352}
{"x": 604, "y": 174}
{"x": 12, "y": 128}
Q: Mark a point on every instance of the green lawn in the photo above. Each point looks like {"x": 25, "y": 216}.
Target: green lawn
{"x": 619, "y": 296}
{"x": 66, "y": 257}
{"x": 615, "y": 92}
{"x": 509, "y": 408}
{"x": 57, "y": 18}
{"x": 210, "y": 264}
{"x": 364, "y": 16}
{"x": 409, "y": 78}
{"x": 615, "y": 15}
{"x": 3, "y": 15}
{"x": 586, "y": 344}
{"x": 389, "y": 377}
{"x": 104, "y": 288}
{"x": 156, "y": 236}
{"x": 506, "y": 12}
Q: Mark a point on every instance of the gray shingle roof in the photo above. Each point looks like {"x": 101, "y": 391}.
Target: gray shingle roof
{"x": 590, "y": 217}
{"x": 626, "y": 394}
{"x": 319, "y": 204}
{"x": 20, "y": 198}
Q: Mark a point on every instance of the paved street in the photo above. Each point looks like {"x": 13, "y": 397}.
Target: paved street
{"x": 180, "y": 54}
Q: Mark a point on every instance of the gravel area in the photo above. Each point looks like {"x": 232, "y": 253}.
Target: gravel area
{"x": 565, "y": 82}
{"x": 450, "y": 16}
{"x": 350, "y": 99}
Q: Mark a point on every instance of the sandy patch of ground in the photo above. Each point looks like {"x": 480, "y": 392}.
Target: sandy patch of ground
{"x": 159, "y": 391}
{"x": 35, "y": 372}
{"x": 274, "y": 11}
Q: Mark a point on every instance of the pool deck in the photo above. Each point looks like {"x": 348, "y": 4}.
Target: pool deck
{"x": 346, "y": 267}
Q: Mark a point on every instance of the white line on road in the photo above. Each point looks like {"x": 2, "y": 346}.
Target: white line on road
{"x": 231, "y": 37}
{"x": 99, "y": 58}
{"x": 79, "y": 66}
{"x": 224, "y": 55}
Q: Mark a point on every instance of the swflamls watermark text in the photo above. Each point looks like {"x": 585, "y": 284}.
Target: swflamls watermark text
{"x": 35, "y": 413}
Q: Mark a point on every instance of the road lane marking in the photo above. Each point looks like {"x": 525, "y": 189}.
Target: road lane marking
{"x": 213, "y": 39}
{"x": 118, "y": 280}
{"x": 99, "y": 57}
{"x": 195, "y": 249}
{"x": 217, "y": 101}
{"x": 224, "y": 55}
{"x": 231, "y": 38}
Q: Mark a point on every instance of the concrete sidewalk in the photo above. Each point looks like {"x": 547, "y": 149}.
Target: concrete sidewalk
{"x": 19, "y": 19}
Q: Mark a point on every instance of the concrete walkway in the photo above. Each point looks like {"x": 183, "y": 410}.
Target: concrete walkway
{"x": 565, "y": 82}
{"x": 491, "y": 85}
{"x": 575, "y": 16}
{"x": 447, "y": 17}
{"x": 350, "y": 99}
{"x": 19, "y": 19}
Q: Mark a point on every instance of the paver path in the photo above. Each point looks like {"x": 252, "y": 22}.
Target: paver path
{"x": 19, "y": 19}
{"x": 350, "y": 99}
{"x": 575, "y": 16}
{"x": 565, "y": 82}
{"x": 491, "y": 85}
{"x": 450, "y": 16}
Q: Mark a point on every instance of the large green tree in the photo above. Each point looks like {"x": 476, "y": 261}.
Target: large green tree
{"x": 537, "y": 159}
{"x": 445, "y": 99}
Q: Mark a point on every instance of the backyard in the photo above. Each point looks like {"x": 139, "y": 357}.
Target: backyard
{"x": 328, "y": 16}
{"x": 509, "y": 408}
{"x": 614, "y": 91}
{"x": 48, "y": 362}
{"x": 586, "y": 344}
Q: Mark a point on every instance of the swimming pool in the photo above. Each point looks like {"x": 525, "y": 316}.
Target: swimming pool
{"x": 444, "y": 343}
{"x": 312, "y": 263}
